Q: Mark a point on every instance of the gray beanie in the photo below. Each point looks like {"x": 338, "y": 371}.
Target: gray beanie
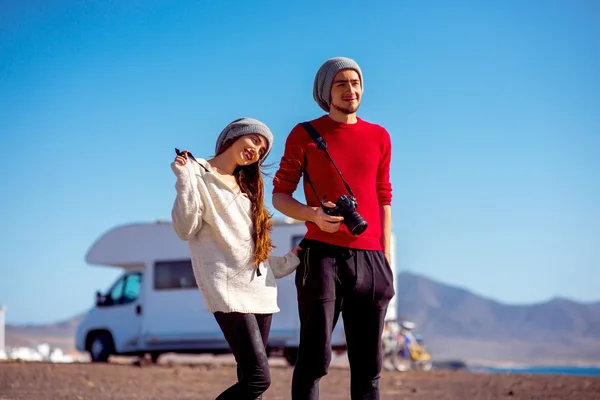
{"x": 325, "y": 75}
{"x": 245, "y": 126}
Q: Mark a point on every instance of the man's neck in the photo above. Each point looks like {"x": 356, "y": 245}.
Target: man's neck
{"x": 342, "y": 118}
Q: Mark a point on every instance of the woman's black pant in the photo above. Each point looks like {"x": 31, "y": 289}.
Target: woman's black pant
{"x": 247, "y": 335}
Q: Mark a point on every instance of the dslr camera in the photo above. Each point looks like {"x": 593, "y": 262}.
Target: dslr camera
{"x": 346, "y": 207}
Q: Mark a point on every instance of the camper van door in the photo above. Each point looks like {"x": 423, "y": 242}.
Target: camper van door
{"x": 119, "y": 312}
{"x": 176, "y": 317}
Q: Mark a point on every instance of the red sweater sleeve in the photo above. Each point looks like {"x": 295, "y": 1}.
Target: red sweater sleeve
{"x": 384, "y": 186}
{"x": 292, "y": 163}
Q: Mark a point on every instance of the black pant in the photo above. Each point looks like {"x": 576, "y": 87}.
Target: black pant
{"x": 357, "y": 283}
{"x": 247, "y": 336}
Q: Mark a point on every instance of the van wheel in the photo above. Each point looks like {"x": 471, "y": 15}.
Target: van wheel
{"x": 291, "y": 355}
{"x": 100, "y": 347}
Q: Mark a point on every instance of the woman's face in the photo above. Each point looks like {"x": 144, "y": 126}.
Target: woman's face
{"x": 248, "y": 149}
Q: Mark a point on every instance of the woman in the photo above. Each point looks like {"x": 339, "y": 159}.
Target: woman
{"x": 219, "y": 210}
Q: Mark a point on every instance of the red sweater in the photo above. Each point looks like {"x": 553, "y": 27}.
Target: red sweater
{"x": 362, "y": 152}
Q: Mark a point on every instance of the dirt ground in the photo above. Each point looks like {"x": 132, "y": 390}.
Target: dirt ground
{"x": 44, "y": 381}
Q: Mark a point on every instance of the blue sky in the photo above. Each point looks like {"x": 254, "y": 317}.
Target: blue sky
{"x": 494, "y": 112}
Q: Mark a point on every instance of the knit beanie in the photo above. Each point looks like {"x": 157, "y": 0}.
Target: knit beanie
{"x": 245, "y": 126}
{"x": 325, "y": 75}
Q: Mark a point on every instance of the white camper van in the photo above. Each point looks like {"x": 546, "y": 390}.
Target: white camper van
{"x": 155, "y": 307}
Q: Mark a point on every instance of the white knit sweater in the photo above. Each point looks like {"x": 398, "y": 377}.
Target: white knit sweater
{"x": 216, "y": 222}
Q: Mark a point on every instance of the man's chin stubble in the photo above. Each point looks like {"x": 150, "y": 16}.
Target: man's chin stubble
{"x": 346, "y": 111}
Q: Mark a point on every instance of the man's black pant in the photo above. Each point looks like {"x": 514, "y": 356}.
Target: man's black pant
{"x": 247, "y": 335}
{"x": 357, "y": 283}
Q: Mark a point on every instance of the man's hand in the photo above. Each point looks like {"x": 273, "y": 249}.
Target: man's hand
{"x": 325, "y": 222}
{"x": 388, "y": 257}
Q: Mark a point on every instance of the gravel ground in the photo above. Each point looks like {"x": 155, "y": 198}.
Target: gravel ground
{"x": 42, "y": 381}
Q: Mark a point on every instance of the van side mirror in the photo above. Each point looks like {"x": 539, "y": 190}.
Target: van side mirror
{"x": 100, "y": 299}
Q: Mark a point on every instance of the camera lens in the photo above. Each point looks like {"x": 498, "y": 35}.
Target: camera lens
{"x": 355, "y": 223}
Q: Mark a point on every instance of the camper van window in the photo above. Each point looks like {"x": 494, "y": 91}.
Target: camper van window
{"x": 169, "y": 275}
{"x": 132, "y": 288}
{"x": 116, "y": 293}
{"x": 126, "y": 290}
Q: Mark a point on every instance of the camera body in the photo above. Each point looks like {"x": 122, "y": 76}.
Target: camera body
{"x": 346, "y": 206}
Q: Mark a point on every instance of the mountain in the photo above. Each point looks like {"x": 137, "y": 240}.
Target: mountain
{"x": 60, "y": 334}
{"x": 458, "y": 323}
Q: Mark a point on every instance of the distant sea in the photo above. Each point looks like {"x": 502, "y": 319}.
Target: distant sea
{"x": 579, "y": 371}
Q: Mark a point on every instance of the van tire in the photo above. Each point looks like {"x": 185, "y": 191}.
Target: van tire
{"x": 291, "y": 355}
{"x": 100, "y": 346}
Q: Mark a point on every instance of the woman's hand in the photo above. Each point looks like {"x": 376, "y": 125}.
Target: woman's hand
{"x": 179, "y": 165}
{"x": 182, "y": 159}
{"x": 295, "y": 250}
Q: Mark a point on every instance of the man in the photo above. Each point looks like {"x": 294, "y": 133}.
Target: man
{"x": 340, "y": 272}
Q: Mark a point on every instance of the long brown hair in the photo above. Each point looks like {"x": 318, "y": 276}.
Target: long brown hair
{"x": 249, "y": 179}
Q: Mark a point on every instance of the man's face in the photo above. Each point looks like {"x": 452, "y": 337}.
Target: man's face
{"x": 346, "y": 91}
